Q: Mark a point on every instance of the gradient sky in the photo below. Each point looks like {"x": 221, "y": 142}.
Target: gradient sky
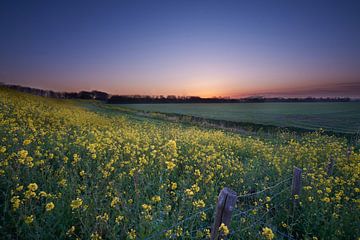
{"x": 206, "y": 48}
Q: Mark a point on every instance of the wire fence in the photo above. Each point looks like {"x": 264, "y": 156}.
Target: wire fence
{"x": 157, "y": 234}
{"x": 243, "y": 209}
{"x": 264, "y": 190}
{"x": 258, "y": 206}
{"x": 256, "y": 219}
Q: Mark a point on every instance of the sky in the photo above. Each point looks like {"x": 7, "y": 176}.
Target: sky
{"x": 204, "y": 48}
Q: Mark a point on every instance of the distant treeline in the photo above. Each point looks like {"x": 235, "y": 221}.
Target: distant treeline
{"x": 167, "y": 99}
{"x": 97, "y": 95}
{"x": 193, "y": 99}
{"x": 133, "y": 99}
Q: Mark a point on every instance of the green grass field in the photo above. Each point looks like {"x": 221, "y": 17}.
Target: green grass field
{"x": 337, "y": 117}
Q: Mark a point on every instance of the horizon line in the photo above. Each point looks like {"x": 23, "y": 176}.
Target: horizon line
{"x": 254, "y": 96}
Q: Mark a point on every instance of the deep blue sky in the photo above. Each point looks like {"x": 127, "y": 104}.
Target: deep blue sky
{"x": 229, "y": 48}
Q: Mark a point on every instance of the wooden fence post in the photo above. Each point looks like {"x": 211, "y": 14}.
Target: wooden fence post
{"x": 330, "y": 167}
{"x": 296, "y": 184}
{"x": 348, "y": 153}
{"x": 224, "y": 208}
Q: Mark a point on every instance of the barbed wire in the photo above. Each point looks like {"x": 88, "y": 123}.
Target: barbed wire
{"x": 284, "y": 235}
{"x": 264, "y": 190}
{"x": 259, "y": 205}
{"x": 200, "y": 229}
{"x": 178, "y": 223}
{"x": 276, "y": 230}
{"x": 157, "y": 234}
{"x": 248, "y": 227}
{"x": 258, "y": 220}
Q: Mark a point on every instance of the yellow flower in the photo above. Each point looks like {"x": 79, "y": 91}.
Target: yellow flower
{"x": 26, "y": 142}
{"x": 71, "y": 231}
{"x": 326, "y": 199}
{"x": 156, "y": 199}
{"x": 23, "y": 153}
{"x": 203, "y": 216}
{"x": 207, "y": 233}
{"x": 29, "y": 219}
{"x": 199, "y": 204}
{"x": 114, "y": 201}
{"x": 50, "y": 206}
{"x": 189, "y": 192}
{"x": 179, "y": 231}
{"x": 2, "y": 149}
{"x": 119, "y": 218}
{"x": 170, "y": 165}
{"x": 173, "y": 186}
{"x": 195, "y": 188}
{"x": 131, "y": 234}
{"x": 76, "y": 203}
{"x": 172, "y": 145}
{"x": 15, "y": 202}
{"x": 168, "y": 208}
{"x": 224, "y": 229}
{"x": 267, "y": 233}
{"x": 95, "y": 236}
{"x": 29, "y": 194}
{"x": 33, "y": 187}
{"x": 103, "y": 218}
{"x": 43, "y": 194}
{"x": 148, "y": 217}
{"x": 168, "y": 233}
{"x": 76, "y": 158}
{"x": 62, "y": 183}
{"x": 146, "y": 207}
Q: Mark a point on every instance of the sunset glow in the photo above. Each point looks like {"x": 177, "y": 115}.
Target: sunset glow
{"x": 183, "y": 48}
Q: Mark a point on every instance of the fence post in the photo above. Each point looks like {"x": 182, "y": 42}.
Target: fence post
{"x": 330, "y": 167}
{"x": 296, "y": 184}
{"x": 348, "y": 153}
{"x": 224, "y": 208}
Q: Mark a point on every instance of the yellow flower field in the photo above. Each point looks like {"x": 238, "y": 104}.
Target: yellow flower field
{"x": 78, "y": 172}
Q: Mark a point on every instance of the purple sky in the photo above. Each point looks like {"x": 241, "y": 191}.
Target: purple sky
{"x": 206, "y": 48}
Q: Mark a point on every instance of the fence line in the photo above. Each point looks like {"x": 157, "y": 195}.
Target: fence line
{"x": 264, "y": 190}
{"x": 257, "y": 220}
{"x": 238, "y": 213}
{"x": 284, "y": 235}
{"x": 178, "y": 223}
{"x": 276, "y": 230}
{"x": 248, "y": 227}
{"x": 295, "y": 192}
{"x": 260, "y": 205}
